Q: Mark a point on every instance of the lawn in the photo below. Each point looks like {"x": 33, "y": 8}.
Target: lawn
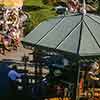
{"x": 37, "y": 12}
{"x": 33, "y": 2}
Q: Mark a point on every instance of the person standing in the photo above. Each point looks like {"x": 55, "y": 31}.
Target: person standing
{"x": 13, "y": 75}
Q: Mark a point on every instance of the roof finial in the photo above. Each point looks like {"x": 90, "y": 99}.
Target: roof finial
{"x": 84, "y": 7}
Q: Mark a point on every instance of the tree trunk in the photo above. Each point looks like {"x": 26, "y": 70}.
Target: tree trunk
{"x": 98, "y": 9}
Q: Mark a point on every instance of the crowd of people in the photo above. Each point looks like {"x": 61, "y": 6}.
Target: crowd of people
{"x": 11, "y": 27}
{"x": 75, "y": 6}
{"x": 45, "y": 89}
{"x": 39, "y": 90}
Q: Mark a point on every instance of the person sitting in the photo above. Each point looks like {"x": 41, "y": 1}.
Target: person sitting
{"x": 93, "y": 79}
{"x": 93, "y": 72}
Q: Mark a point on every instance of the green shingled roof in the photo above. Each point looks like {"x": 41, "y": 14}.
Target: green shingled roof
{"x": 77, "y": 34}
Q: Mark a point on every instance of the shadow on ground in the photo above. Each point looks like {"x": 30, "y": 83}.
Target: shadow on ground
{"x": 31, "y": 8}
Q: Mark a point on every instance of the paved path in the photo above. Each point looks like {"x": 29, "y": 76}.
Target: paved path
{"x": 16, "y": 55}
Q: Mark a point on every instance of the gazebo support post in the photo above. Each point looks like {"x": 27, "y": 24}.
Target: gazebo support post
{"x": 38, "y": 69}
{"x": 35, "y": 61}
{"x": 78, "y": 83}
{"x": 25, "y": 60}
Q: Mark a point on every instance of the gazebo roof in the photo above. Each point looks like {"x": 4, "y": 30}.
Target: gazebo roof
{"x": 78, "y": 34}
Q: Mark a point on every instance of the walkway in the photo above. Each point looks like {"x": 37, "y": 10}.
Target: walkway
{"x": 15, "y": 55}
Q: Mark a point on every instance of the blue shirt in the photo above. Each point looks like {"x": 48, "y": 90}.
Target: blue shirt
{"x": 13, "y": 75}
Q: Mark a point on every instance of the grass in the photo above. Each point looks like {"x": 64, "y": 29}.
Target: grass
{"x": 33, "y": 2}
{"x": 37, "y": 12}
